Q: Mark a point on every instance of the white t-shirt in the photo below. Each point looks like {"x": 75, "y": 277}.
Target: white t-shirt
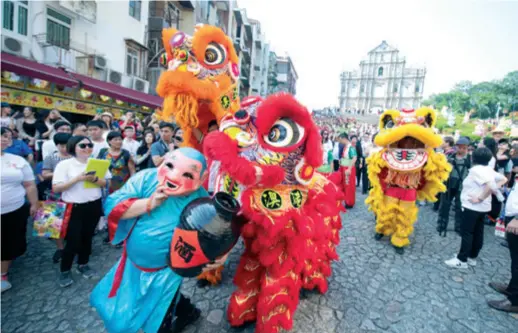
{"x": 48, "y": 148}
{"x": 77, "y": 193}
{"x": 5, "y": 121}
{"x": 326, "y": 148}
{"x": 98, "y": 146}
{"x": 474, "y": 184}
{"x": 15, "y": 171}
{"x": 131, "y": 146}
{"x": 511, "y": 205}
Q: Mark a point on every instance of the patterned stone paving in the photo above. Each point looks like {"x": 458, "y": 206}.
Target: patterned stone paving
{"x": 372, "y": 288}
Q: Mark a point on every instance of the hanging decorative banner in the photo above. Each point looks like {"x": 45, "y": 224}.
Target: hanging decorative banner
{"x": 86, "y": 94}
{"x": 25, "y": 98}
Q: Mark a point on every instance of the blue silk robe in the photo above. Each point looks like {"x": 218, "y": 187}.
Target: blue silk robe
{"x": 142, "y": 298}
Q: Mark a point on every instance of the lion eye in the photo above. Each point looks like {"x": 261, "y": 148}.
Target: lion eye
{"x": 284, "y": 133}
{"x": 389, "y": 123}
{"x": 215, "y": 54}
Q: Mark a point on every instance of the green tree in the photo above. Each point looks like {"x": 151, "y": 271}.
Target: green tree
{"x": 484, "y": 98}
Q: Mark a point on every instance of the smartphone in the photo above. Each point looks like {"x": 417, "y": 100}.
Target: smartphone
{"x": 90, "y": 173}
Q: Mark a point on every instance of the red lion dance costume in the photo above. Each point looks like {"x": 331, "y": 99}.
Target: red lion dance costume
{"x": 293, "y": 212}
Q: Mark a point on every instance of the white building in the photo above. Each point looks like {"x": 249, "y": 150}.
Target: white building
{"x": 101, "y": 39}
{"x": 286, "y": 75}
{"x": 259, "y": 61}
{"x": 383, "y": 81}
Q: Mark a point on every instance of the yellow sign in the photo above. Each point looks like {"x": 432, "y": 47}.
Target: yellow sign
{"x": 25, "y": 98}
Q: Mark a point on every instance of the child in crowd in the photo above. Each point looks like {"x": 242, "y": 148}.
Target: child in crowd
{"x": 481, "y": 182}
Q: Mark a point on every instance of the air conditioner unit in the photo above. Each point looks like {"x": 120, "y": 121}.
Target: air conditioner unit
{"x": 14, "y": 46}
{"x": 140, "y": 85}
{"x": 114, "y": 77}
{"x": 100, "y": 62}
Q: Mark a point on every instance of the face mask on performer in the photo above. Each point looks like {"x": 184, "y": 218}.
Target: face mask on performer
{"x": 182, "y": 172}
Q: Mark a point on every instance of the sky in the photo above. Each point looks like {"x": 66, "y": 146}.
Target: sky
{"x": 455, "y": 40}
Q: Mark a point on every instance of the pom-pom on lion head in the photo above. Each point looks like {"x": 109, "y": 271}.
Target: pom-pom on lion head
{"x": 200, "y": 83}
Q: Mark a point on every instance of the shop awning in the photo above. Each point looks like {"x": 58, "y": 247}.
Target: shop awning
{"x": 22, "y": 66}
{"x": 118, "y": 92}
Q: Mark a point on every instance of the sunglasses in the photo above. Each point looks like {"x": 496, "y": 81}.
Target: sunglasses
{"x": 85, "y": 145}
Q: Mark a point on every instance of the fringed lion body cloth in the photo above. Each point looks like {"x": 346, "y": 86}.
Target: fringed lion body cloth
{"x": 405, "y": 170}
{"x": 200, "y": 84}
{"x": 268, "y": 159}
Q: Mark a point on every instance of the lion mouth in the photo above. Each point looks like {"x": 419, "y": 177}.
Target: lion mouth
{"x": 407, "y": 154}
{"x": 405, "y": 160}
{"x": 408, "y": 142}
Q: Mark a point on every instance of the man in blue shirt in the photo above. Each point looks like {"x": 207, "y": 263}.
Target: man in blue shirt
{"x": 20, "y": 148}
{"x": 162, "y": 146}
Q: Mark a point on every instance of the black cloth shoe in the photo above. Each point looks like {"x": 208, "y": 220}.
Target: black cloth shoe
{"x": 503, "y": 305}
{"x": 399, "y": 250}
{"x": 57, "y": 256}
{"x": 441, "y": 229}
{"x": 499, "y": 287}
{"x": 183, "y": 321}
{"x": 378, "y": 236}
{"x": 202, "y": 283}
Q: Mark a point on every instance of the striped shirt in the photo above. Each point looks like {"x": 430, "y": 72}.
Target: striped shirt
{"x": 50, "y": 162}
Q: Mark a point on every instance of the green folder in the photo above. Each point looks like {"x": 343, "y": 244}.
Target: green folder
{"x": 99, "y": 166}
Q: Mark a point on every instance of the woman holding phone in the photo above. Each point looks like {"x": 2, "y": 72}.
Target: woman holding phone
{"x": 84, "y": 207}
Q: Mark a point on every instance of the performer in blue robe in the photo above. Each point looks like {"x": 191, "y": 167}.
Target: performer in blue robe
{"x": 141, "y": 291}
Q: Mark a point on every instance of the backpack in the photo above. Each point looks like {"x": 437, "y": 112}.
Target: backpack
{"x": 457, "y": 182}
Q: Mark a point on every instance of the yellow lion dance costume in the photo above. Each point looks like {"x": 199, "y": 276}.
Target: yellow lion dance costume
{"x": 405, "y": 170}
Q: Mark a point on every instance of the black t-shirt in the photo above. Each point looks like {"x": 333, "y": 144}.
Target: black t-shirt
{"x": 147, "y": 163}
{"x": 29, "y": 129}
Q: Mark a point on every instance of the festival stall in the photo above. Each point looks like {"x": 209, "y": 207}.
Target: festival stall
{"x": 28, "y": 83}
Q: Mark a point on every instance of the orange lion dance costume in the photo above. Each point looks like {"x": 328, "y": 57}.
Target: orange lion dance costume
{"x": 268, "y": 159}
{"x": 200, "y": 82}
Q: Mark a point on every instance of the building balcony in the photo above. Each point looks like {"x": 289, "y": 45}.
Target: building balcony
{"x": 245, "y": 70}
{"x": 222, "y": 5}
{"x": 246, "y": 53}
{"x": 188, "y": 4}
{"x": 237, "y": 44}
{"x": 249, "y": 32}
{"x": 238, "y": 15}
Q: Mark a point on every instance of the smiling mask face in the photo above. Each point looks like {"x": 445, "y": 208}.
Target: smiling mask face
{"x": 182, "y": 172}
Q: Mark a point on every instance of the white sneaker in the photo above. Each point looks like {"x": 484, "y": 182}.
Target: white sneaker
{"x": 472, "y": 262}
{"x": 6, "y": 285}
{"x": 456, "y": 263}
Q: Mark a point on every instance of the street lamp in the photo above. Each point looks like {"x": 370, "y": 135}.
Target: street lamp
{"x": 497, "y": 113}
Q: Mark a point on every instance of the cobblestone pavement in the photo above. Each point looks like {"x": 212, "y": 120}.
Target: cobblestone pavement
{"x": 372, "y": 288}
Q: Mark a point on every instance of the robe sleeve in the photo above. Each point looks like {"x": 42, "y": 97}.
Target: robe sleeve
{"x": 120, "y": 201}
